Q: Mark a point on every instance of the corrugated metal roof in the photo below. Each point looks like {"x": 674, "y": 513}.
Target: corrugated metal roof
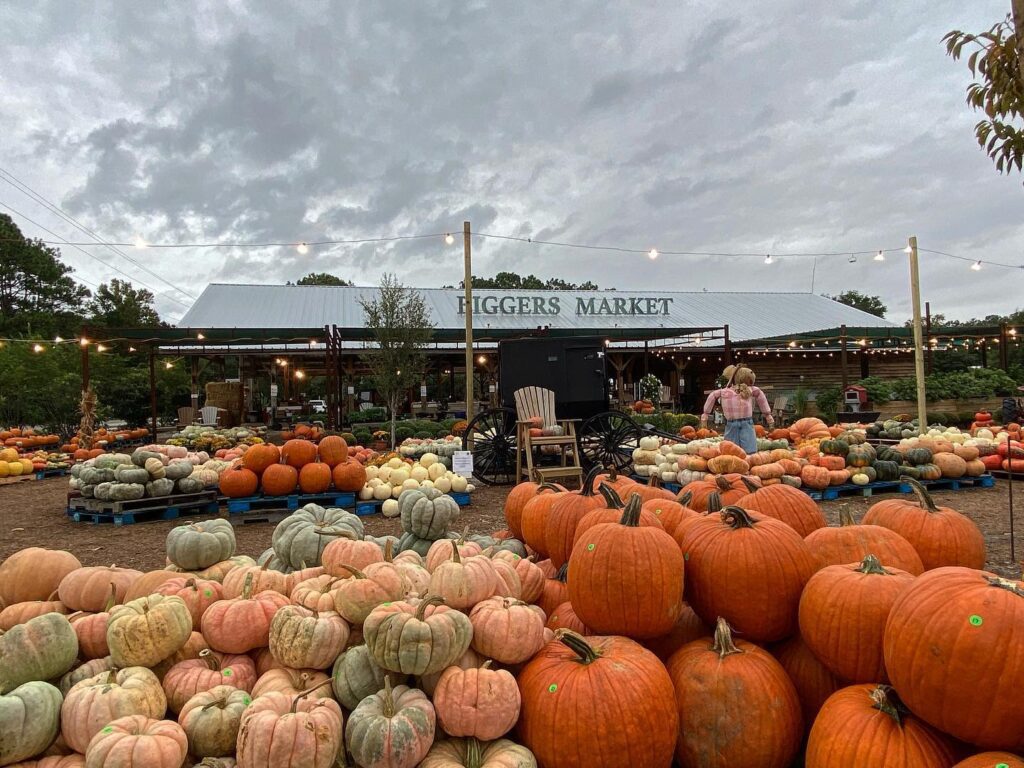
{"x": 748, "y": 315}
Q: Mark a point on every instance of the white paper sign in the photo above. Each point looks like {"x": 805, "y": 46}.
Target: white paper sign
{"x": 423, "y": 390}
{"x": 351, "y": 390}
{"x": 273, "y": 390}
{"x": 462, "y": 463}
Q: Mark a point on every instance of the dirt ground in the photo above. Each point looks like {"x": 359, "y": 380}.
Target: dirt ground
{"x": 32, "y": 514}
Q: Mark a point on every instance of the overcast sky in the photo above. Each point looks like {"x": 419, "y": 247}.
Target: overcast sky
{"x": 693, "y": 126}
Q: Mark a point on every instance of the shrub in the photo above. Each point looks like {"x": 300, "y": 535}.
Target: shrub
{"x": 348, "y": 437}
{"x": 367, "y": 416}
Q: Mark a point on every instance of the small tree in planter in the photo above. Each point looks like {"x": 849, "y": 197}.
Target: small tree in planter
{"x": 650, "y": 389}
{"x": 401, "y": 327}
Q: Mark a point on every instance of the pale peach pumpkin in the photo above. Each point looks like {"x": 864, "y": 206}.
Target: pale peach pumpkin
{"x": 242, "y": 623}
{"x": 187, "y": 678}
{"x": 136, "y": 741}
{"x": 94, "y": 702}
{"x": 480, "y": 702}
{"x": 280, "y": 731}
{"x": 198, "y": 594}
{"x": 507, "y": 630}
{"x": 87, "y": 589}
{"x": 301, "y": 638}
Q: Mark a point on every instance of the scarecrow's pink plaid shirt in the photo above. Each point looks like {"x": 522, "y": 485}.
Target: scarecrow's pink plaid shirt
{"x": 736, "y": 407}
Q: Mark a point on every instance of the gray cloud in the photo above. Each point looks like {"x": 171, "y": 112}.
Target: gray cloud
{"x": 681, "y": 126}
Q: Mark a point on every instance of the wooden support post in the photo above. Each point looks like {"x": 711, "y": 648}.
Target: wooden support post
{"x": 928, "y": 336}
{"x": 915, "y": 295}
{"x": 842, "y": 356}
{"x": 194, "y": 372}
{"x": 152, "y": 391}
{"x": 647, "y": 359}
{"x": 1004, "y": 347}
{"x": 241, "y": 389}
{"x": 984, "y": 353}
{"x": 726, "y": 346}
{"x": 865, "y": 367}
{"x": 467, "y": 244}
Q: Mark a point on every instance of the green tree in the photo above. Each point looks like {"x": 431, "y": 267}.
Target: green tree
{"x": 511, "y": 281}
{"x": 38, "y": 295}
{"x": 400, "y": 322}
{"x": 871, "y": 304}
{"x": 320, "y": 278}
{"x": 996, "y": 62}
{"x": 120, "y": 305}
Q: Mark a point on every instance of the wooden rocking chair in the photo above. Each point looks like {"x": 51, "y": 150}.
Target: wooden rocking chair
{"x": 535, "y": 408}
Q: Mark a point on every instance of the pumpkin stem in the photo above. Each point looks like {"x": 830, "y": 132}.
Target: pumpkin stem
{"x": 111, "y": 601}
{"x": 563, "y": 573}
{"x": 846, "y": 517}
{"x": 389, "y": 551}
{"x": 487, "y": 664}
{"x": 465, "y": 533}
{"x": 247, "y": 586}
{"x": 654, "y": 481}
{"x": 714, "y": 502}
{"x": 304, "y": 694}
{"x": 871, "y": 564}
{"x": 737, "y": 517}
{"x": 211, "y": 661}
{"x": 548, "y": 487}
{"x": 923, "y": 497}
{"x": 456, "y": 558}
{"x": 684, "y": 498}
{"x": 112, "y": 676}
{"x": 473, "y": 758}
{"x": 723, "y": 483}
{"x": 631, "y": 514}
{"x": 723, "y": 639}
{"x": 611, "y": 496}
{"x": 1008, "y": 584}
{"x": 886, "y": 700}
{"x": 587, "y": 488}
{"x": 426, "y": 602}
{"x": 613, "y": 473}
{"x": 389, "y": 698}
{"x": 751, "y": 485}
{"x": 576, "y": 643}
{"x": 353, "y": 570}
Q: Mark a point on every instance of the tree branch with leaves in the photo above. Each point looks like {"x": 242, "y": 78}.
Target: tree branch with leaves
{"x": 400, "y": 322}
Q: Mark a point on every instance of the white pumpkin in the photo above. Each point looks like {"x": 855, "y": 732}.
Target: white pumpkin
{"x": 427, "y": 484}
{"x": 418, "y": 473}
{"x": 649, "y": 443}
{"x": 410, "y": 485}
{"x": 371, "y": 472}
{"x": 384, "y": 473}
{"x": 374, "y": 482}
{"x": 382, "y": 491}
{"x": 668, "y": 476}
{"x": 389, "y": 508}
{"x": 435, "y": 471}
{"x": 396, "y": 463}
{"x": 396, "y": 491}
{"x": 365, "y": 493}
{"x": 678, "y": 449}
{"x": 459, "y": 484}
{"x": 428, "y": 459}
{"x": 443, "y": 484}
{"x": 398, "y": 476}
{"x": 470, "y": 488}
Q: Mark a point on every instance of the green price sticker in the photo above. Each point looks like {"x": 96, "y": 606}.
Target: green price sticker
{"x": 108, "y": 729}
{"x": 207, "y": 593}
{"x": 228, "y": 673}
{"x": 590, "y": 547}
{"x": 553, "y": 687}
{"x": 976, "y": 620}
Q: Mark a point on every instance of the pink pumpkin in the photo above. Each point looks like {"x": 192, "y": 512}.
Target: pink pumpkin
{"x": 480, "y": 702}
{"x": 280, "y": 731}
{"x": 242, "y": 623}
{"x": 187, "y": 678}
{"x": 198, "y": 594}
{"x": 507, "y": 630}
{"x": 138, "y": 742}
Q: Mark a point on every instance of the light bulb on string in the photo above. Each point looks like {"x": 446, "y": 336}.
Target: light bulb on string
{"x": 100, "y": 348}
{"x": 908, "y": 250}
{"x": 168, "y": 365}
{"x": 449, "y": 238}
{"x": 976, "y": 266}
{"x": 879, "y": 256}
{"x": 853, "y": 259}
{"x": 652, "y": 254}
{"x": 140, "y": 243}
{"x": 131, "y": 349}
{"x": 38, "y": 348}
{"x": 768, "y": 259}
{"x": 83, "y": 341}
{"x": 302, "y": 248}
{"x": 57, "y": 340}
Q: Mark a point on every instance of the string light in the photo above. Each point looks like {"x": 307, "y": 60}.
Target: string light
{"x": 131, "y": 349}
{"x": 302, "y": 248}
{"x": 449, "y": 238}
{"x": 83, "y": 341}
{"x": 852, "y": 259}
{"x": 38, "y": 348}
{"x": 908, "y": 250}
{"x": 976, "y": 266}
{"x": 140, "y": 244}
{"x": 200, "y": 336}
{"x": 168, "y": 365}
{"x": 652, "y": 254}
{"x": 57, "y": 340}
{"x": 768, "y": 259}
{"x": 300, "y": 375}
{"x": 100, "y": 348}
{"x": 879, "y": 256}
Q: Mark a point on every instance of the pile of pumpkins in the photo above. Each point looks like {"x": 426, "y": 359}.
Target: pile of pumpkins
{"x": 445, "y": 448}
{"x": 13, "y": 464}
{"x": 388, "y": 481}
{"x": 152, "y": 471}
{"x": 198, "y": 437}
{"x": 613, "y": 635}
{"x": 298, "y": 466}
{"x": 24, "y": 439}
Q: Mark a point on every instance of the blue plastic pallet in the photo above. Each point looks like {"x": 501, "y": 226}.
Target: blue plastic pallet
{"x": 41, "y": 474}
{"x": 142, "y": 515}
{"x": 291, "y": 501}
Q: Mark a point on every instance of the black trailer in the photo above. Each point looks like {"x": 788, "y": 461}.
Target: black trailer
{"x": 574, "y": 369}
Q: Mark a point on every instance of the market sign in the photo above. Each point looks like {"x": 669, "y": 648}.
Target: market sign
{"x": 548, "y": 306}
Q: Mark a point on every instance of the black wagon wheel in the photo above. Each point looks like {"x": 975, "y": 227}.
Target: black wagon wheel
{"x": 491, "y": 437}
{"x": 608, "y": 440}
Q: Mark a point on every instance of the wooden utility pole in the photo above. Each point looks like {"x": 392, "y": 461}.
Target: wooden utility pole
{"x": 842, "y": 356}
{"x": 152, "y": 390}
{"x": 915, "y": 295}
{"x": 468, "y": 279}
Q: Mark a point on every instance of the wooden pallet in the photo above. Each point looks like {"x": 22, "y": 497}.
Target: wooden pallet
{"x": 265, "y": 516}
{"x": 291, "y": 501}
{"x": 16, "y": 479}
{"x": 42, "y": 474}
{"x": 956, "y": 484}
{"x": 181, "y": 500}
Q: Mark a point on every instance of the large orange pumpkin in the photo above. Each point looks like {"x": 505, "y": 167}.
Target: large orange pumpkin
{"x": 298, "y": 453}
{"x": 953, "y": 653}
{"x": 34, "y": 573}
{"x": 788, "y": 504}
{"x": 867, "y": 725}
{"x": 315, "y": 478}
{"x": 941, "y": 535}
{"x": 627, "y": 579}
{"x": 349, "y": 475}
{"x": 514, "y": 503}
{"x": 259, "y": 457}
{"x": 333, "y": 450}
{"x": 279, "y": 479}
{"x": 734, "y": 559}
{"x": 992, "y": 760}
{"x": 238, "y": 482}
{"x": 812, "y": 679}
{"x": 842, "y": 617}
{"x": 851, "y": 543}
{"x": 566, "y": 512}
{"x": 720, "y": 489}
{"x": 670, "y": 512}
{"x": 535, "y": 517}
{"x": 734, "y": 702}
{"x": 611, "y": 512}
{"x": 625, "y": 690}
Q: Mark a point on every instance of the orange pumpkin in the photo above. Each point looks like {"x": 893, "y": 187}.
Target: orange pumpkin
{"x": 279, "y": 479}
{"x": 333, "y": 450}
{"x": 349, "y": 475}
{"x": 259, "y": 457}
{"x": 314, "y": 478}
{"x": 238, "y": 482}
{"x": 298, "y": 453}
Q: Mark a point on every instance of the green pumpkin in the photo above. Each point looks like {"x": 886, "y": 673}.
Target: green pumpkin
{"x": 929, "y": 472}
{"x": 886, "y": 471}
{"x": 178, "y": 469}
{"x": 29, "y": 721}
{"x": 126, "y": 491}
{"x": 300, "y": 538}
{"x": 871, "y": 473}
{"x": 190, "y": 484}
{"x": 43, "y": 648}
{"x": 918, "y": 456}
{"x": 200, "y": 545}
{"x": 834, "y": 447}
{"x": 888, "y": 453}
{"x": 111, "y": 460}
{"x": 129, "y": 473}
{"x": 860, "y": 456}
{"x": 427, "y": 513}
{"x": 161, "y": 487}
{"x": 392, "y": 727}
{"x": 140, "y": 456}
{"x": 415, "y": 543}
{"x": 874, "y": 430}
{"x": 97, "y": 475}
{"x": 356, "y": 675}
{"x": 914, "y": 473}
